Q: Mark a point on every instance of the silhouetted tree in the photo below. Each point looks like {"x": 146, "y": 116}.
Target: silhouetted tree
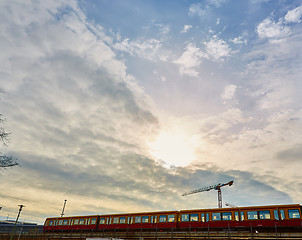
{"x": 5, "y": 161}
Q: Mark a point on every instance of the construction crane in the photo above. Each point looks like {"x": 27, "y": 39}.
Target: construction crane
{"x": 215, "y": 187}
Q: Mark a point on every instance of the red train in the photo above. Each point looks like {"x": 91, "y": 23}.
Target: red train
{"x": 277, "y": 217}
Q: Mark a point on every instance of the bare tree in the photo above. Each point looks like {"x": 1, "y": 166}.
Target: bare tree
{"x": 5, "y": 160}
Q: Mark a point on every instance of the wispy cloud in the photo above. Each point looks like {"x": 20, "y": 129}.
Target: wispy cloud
{"x": 239, "y": 40}
{"x": 202, "y": 9}
{"x": 294, "y": 15}
{"x": 229, "y": 92}
{"x": 190, "y": 60}
{"x": 186, "y": 28}
{"x": 146, "y": 49}
{"x": 217, "y": 49}
{"x": 278, "y": 30}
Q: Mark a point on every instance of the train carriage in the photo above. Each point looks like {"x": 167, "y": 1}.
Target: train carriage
{"x": 79, "y": 223}
{"x": 141, "y": 221}
{"x": 265, "y": 217}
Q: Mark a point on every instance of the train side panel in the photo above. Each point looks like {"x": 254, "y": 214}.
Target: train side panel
{"x": 139, "y": 221}
{"x": 81, "y": 223}
{"x": 265, "y": 217}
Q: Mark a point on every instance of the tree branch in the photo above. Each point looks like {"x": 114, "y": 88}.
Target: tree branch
{"x": 7, "y": 161}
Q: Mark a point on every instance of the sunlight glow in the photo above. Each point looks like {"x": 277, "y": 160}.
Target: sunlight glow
{"x": 174, "y": 148}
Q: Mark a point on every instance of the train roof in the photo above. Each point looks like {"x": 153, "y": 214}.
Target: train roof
{"x": 141, "y": 213}
{"x": 86, "y": 216}
{"x": 245, "y": 208}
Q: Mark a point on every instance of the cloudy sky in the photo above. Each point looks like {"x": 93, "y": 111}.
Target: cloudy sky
{"x": 123, "y": 105}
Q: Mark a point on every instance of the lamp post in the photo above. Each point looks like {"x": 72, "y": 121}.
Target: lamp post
{"x": 20, "y": 209}
{"x": 62, "y": 214}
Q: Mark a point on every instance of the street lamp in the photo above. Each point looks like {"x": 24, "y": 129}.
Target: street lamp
{"x": 62, "y": 214}
{"x": 20, "y": 209}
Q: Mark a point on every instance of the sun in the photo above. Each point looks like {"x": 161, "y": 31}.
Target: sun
{"x": 175, "y": 148}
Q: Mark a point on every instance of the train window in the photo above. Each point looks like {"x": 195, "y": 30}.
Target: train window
{"x": 202, "y": 217}
{"x": 241, "y": 216}
{"x": 227, "y": 216}
{"x": 194, "y": 217}
{"x": 76, "y": 221}
{"x": 155, "y": 219}
{"x": 236, "y": 216}
{"x": 102, "y": 220}
{"x": 276, "y": 215}
{"x": 207, "y": 217}
{"x": 93, "y": 221}
{"x": 293, "y": 213}
{"x": 282, "y": 215}
{"x": 115, "y": 220}
{"x": 50, "y": 223}
{"x": 138, "y": 219}
{"x": 216, "y": 216}
{"x": 152, "y": 218}
{"x": 87, "y": 221}
{"x": 184, "y": 217}
{"x": 108, "y": 221}
{"x": 145, "y": 219}
{"x": 162, "y": 218}
{"x": 264, "y": 215}
{"x": 131, "y": 221}
{"x": 171, "y": 218}
{"x": 81, "y": 222}
{"x": 65, "y": 222}
{"x": 60, "y": 222}
{"x": 252, "y": 215}
{"x": 123, "y": 220}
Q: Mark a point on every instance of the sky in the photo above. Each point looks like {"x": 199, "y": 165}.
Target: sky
{"x": 123, "y": 105}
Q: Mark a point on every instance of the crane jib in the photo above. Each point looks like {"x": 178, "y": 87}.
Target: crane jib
{"x": 215, "y": 187}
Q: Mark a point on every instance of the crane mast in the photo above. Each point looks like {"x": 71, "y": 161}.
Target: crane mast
{"x": 215, "y": 187}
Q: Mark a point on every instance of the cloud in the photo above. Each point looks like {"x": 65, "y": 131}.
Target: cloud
{"x": 217, "y": 49}
{"x": 202, "y": 10}
{"x": 216, "y": 3}
{"x": 218, "y": 21}
{"x": 239, "y": 40}
{"x": 269, "y": 29}
{"x": 258, "y": 1}
{"x": 279, "y": 30}
{"x": 65, "y": 91}
{"x": 196, "y": 9}
{"x": 190, "y": 60}
{"x": 292, "y": 155}
{"x": 294, "y": 16}
{"x": 186, "y": 28}
{"x": 145, "y": 49}
{"x": 159, "y": 76}
{"x": 229, "y": 92}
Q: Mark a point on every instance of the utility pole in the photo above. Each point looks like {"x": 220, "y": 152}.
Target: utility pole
{"x": 62, "y": 214}
{"x": 20, "y": 209}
